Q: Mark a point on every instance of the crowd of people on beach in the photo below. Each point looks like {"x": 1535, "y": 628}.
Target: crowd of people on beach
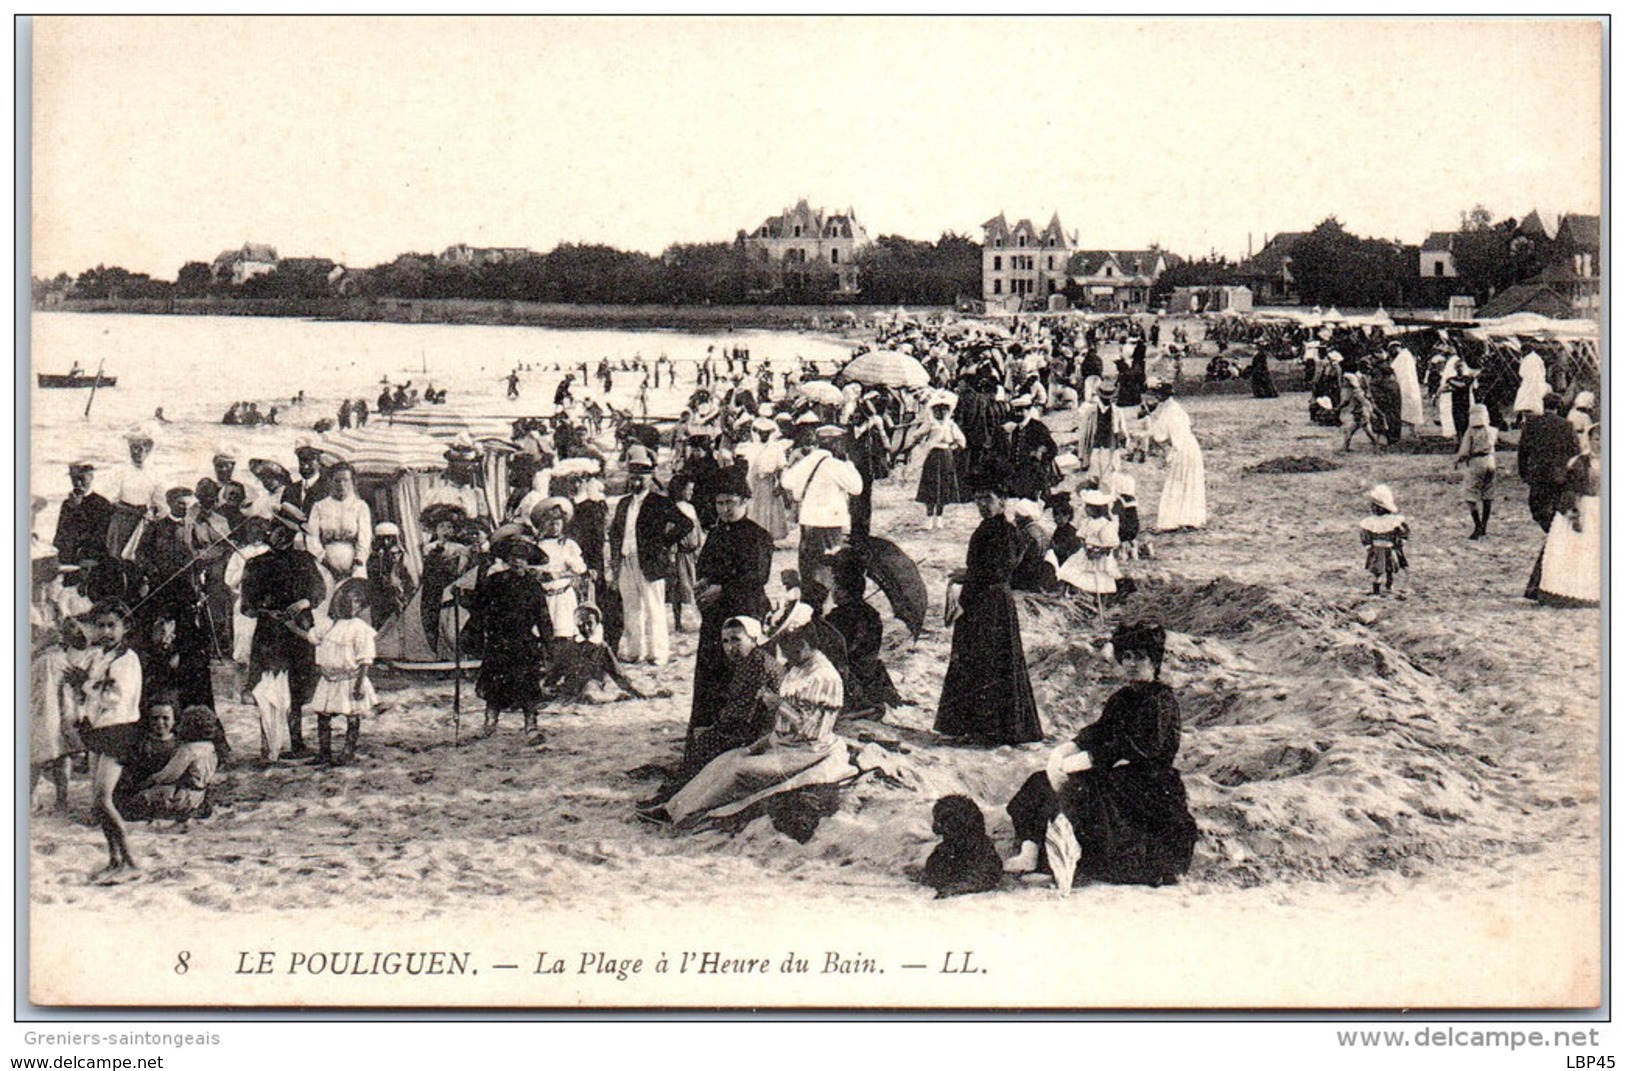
{"x": 286, "y": 575}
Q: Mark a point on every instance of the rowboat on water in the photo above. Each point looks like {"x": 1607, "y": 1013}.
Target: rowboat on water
{"x": 48, "y": 381}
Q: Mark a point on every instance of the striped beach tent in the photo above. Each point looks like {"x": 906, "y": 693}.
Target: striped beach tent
{"x": 448, "y": 422}
{"x": 385, "y": 449}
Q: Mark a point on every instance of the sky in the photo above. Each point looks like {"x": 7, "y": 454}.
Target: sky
{"x": 156, "y": 141}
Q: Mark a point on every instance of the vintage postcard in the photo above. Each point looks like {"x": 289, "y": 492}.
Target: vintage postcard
{"x": 815, "y": 513}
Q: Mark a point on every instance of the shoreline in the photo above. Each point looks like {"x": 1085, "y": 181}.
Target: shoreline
{"x": 694, "y": 319}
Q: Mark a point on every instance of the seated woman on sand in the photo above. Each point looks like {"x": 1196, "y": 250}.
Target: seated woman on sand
{"x": 1116, "y": 782}
{"x": 798, "y": 751}
{"x": 179, "y": 789}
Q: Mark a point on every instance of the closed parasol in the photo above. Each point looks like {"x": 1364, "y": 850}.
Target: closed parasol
{"x": 887, "y": 368}
{"x": 821, "y": 391}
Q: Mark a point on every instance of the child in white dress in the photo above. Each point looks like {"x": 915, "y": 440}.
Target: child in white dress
{"x": 345, "y": 651}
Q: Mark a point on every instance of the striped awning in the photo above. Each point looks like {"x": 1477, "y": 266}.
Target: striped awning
{"x": 447, "y": 422}
{"x": 381, "y": 449}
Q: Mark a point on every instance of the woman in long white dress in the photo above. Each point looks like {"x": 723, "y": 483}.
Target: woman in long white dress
{"x": 1532, "y": 385}
{"x": 1448, "y": 371}
{"x": 1410, "y": 388}
{"x": 339, "y": 529}
{"x": 764, "y": 459}
{"x": 1571, "y": 562}
{"x": 1184, "y": 488}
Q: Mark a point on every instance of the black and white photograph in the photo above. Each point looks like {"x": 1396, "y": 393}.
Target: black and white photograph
{"x": 860, "y": 514}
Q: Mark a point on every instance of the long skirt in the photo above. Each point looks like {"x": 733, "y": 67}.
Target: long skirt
{"x": 986, "y": 692}
{"x": 767, "y": 506}
{"x": 51, "y": 734}
{"x": 1184, "y": 491}
{"x": 735, "y": 774}
{"x": 1133, "y": 822}
{"x": 1571, "y": 563}
{"x": 510, "y": 675}
{"x": 939, "y": 479}
{"x": 1088, "y": 421}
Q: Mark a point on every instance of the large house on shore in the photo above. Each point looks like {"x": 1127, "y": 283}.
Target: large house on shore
{"x": 1022, "y": 265}
{"x": 801, "y": 248}
{"x": 237, "y": 266}
{"x": 1118, "y": 280}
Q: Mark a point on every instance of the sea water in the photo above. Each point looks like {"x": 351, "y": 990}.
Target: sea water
{"x": 195, "y": 367}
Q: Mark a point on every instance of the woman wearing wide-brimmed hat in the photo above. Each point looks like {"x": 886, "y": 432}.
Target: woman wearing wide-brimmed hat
{"x": 518, "y": 630}
{"x": 137, "y": 495}
{"x": 943, "y": 441}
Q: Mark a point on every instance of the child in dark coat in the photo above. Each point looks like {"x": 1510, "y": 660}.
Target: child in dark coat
{"x": 965, "y": 861}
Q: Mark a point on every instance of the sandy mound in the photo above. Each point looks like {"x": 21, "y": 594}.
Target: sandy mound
{"x": 1277, "y": 466}
{"x": 1312, "y": 747}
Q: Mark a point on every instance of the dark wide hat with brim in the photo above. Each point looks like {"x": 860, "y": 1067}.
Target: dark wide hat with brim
{"x": 734, "y": 480}
{"x": 442, "y": 513}
{"x": 290, "y": 516}
{"x": 263, "y": 469}
{"x": 515, "y": 549}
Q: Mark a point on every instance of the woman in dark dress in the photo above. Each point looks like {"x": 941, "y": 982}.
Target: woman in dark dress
{"x": 1263, "y": 382}
{"x": 513, "y": 612}
{"x": 1116, "y": 782}
{"x": 986, "y": 694}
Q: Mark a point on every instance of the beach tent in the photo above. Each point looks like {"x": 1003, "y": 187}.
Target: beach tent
{"x": 396, "y": 465}
{"x": 1531, "y": 323}
{"x": 448, "y": 422}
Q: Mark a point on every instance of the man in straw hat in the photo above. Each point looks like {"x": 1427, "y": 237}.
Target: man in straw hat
{"x": 823, "y": 482}
{"x": 1032, "y": 451}
{"x": 281, "y": 588}
{"x": 646, "y": 526}
{"x": 311, "y": 484}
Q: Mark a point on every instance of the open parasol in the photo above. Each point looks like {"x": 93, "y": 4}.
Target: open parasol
{"x": 821, "y": 391}
{"x": 887, "y": 368}
{"x": 898, "y": 577}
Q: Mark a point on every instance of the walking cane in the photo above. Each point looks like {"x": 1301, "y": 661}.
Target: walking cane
{"x": 457, "y": 675}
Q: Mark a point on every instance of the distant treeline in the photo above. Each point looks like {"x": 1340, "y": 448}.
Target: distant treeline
{"x": 892, "y": 271}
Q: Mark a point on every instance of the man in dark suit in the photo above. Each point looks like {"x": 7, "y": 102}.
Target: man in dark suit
{"x": 1545, "y": 446}
{"x": 81, "y": 526}
{"x": 645, "y": 528}
{"x": 731, "y": 578}
{"x": 310, "y": 486}
{"x": 1032, "y": 452}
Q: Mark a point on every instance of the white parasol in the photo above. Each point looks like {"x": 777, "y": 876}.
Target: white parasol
{"x": 887, "y": 368}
